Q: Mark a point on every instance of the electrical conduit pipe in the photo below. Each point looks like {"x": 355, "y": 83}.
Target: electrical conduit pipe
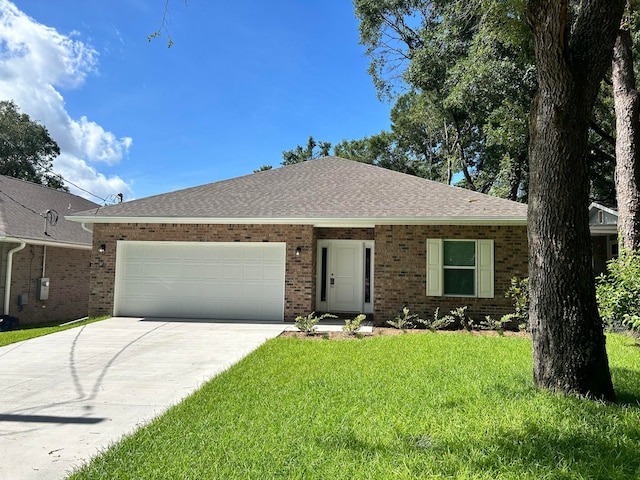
{"x": 7, "y": 283}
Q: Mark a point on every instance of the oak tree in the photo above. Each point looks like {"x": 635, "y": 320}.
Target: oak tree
{"x": 573, "y": 48}
{"x": 26, "y": 148}
{"x": 627, "y": 110}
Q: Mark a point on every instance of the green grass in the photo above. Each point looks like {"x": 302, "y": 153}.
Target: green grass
{"x": 412, "y": 406}
{"x": 33, "y": 331}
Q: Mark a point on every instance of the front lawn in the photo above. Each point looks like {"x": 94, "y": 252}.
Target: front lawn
{"x": 410, "y": 406}
{"x": 33, "y": 331}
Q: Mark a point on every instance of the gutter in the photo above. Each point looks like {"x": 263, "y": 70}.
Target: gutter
{"x": 79, "y": 246}
{"x": 7, "y": 289}
{"x": 368, "y": 222}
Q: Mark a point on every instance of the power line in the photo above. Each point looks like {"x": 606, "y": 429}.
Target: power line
{"x": 49, "y": 170}
{"x": 71, "y": 183}
{"x": 19, "y": 203}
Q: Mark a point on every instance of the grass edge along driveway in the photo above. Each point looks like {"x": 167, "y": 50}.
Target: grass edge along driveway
{"x": 411, "y": 406}
{"x": 33, "y": 331}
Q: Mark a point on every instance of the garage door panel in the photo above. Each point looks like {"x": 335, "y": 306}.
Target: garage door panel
{"x": 200, "y": 280}
{"x": 232, "y": 272}
{"x": 276, "y": 256}
{"x": 232, "y": 290}
{"x": 254, "y": 290}
{"x": 271, "y": 272}
{"x": 232, "y": 253}
{"x": 253, "y": 255}
{"x": 270, "y": 291}
{"x": 252, "y": 272}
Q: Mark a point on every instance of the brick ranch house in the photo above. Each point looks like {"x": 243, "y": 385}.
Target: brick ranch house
{"x": 44, "y": 259}
{"x": 327, "y": 235}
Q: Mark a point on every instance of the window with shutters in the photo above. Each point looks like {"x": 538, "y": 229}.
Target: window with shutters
{"x": 460, "y": 268}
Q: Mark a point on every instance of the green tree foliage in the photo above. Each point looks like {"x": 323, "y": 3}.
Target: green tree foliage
{"x": 462, "y": 75}
{"x": 618, "y": 291}
{"x": 26, "y": 148}
{"x": 313, "y": 149}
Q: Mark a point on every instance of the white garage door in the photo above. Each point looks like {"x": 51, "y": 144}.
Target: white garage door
{"x": 231, "y": 281}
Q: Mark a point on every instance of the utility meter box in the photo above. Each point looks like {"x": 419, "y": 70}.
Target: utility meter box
{"x": 43, "y": 288}
{"x": 23, "y": 299}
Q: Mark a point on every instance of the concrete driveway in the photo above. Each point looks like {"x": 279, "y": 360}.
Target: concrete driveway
{"x": 64, "y": 397}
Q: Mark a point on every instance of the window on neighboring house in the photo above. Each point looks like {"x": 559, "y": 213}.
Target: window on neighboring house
{"x": 460, "y": 268}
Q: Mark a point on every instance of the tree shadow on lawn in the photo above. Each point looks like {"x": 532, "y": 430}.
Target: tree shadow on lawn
{"x": 578, "y": 438}
{"x": 627, "y": 386}
{"x": 536, "y": 450}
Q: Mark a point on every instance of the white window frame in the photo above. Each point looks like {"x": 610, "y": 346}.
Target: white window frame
{"x": 484, "y": 268}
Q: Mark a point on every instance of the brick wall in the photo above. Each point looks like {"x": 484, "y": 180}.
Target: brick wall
{"x": 299, "y": 278}
{"x": 400, "y": 268}
{"x": 345, "y": 233}
{"x": 399, "y": 262}
{"x": 68, "y": 272}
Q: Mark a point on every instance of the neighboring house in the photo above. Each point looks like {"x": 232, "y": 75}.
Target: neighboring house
{"x": 329, "y": 235}
{"x": 603, "y": 224}
{"x": 44, "y": 259}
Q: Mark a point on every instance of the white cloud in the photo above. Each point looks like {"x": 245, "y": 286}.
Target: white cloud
{"x": 87, "y": 178}
{"x": 35, "y": 62}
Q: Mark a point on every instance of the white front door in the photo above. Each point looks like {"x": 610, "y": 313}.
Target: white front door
{"x": 345, "y": 276}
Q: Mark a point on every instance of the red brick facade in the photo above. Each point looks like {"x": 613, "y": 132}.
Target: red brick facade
{"x": 400, "y": 268}
{"x": 68, "y": 272}
{"x": 399, "y": 261}
{"x": 299, "y": 292}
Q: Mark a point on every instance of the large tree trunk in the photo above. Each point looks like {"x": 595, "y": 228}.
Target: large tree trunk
{"x": 627, "y": 104}
{"x": 572, "y": 57}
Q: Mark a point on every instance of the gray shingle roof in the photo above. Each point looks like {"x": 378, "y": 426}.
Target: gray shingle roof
{"x": 329, "y": 188}
{"x": 21, "y": 206}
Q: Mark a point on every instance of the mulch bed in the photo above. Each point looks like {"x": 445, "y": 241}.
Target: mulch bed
{"x": 387, "y": 331}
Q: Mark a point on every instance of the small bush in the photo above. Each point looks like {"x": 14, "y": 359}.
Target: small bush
{"x": 404, "y": 320}
{"x": 490, "y": 324}
{"x": 437, "y": 323}
{"x": 352, "y": 326}
{"x": 460, "y": 314}
{"x": 308, "y": 324}
{"x": 618, "y": 292}
{"x": 519, "y": 293}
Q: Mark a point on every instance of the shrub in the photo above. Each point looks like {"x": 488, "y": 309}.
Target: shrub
{"x": 460, "y": 314}
{"x": 308, "y": 324}
{"x": 490, "y": 324}
{"x": 352, "y": 326}
{"x": 618, "y": 292}
{"x": 519, "y": 293}
{"x": 437, "y": 322}
{"x": 404, "y": 320}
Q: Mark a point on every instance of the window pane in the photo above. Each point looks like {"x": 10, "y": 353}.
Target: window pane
{"x": 323, "y": 275}
{"x": 460, "y": 254}
{"x": 459, "y": 281}
{"x": 367, "y": 275}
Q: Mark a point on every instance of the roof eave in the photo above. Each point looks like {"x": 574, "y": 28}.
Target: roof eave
{"x": 48, "y": 243}
{"x": 603, "y": 208}
{"x": 362, "y": 222}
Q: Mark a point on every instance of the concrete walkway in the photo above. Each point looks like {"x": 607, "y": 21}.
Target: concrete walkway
{"x": 64, "y": 397}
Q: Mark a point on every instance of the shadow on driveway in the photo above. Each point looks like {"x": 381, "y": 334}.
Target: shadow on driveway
{"x": 68, "y": 395}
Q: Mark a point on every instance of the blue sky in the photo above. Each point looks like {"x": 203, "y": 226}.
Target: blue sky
{"x": 243, "y": 81}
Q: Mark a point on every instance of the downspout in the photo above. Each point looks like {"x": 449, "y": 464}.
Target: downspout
{"x": 84, "y": 227}
{"x": 7, "y": 285}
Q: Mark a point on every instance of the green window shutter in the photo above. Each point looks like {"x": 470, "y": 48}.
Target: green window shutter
{"x": 434, "y": 267}
{"x": 485, "y": 269}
